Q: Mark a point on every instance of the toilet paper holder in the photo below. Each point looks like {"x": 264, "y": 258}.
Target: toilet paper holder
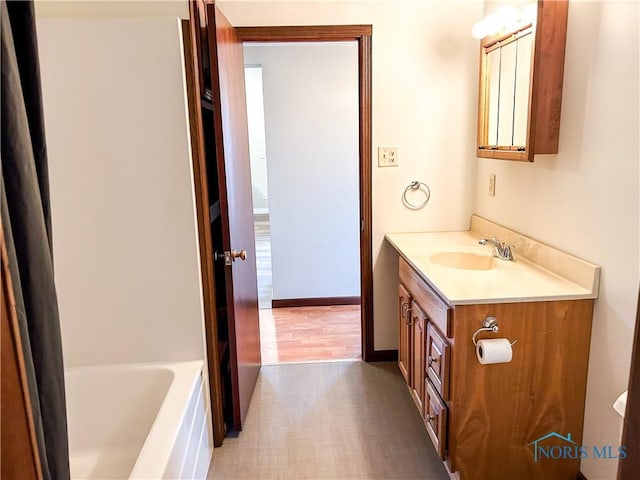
{"x": 489, "y": 324}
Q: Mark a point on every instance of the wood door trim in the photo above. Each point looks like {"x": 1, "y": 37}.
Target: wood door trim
{"x": 304, "y": 33}
{"x": 362, "y": 35}
{"x": 314, "y": 302}
{"x": 18, "y": 424}
{"x": 189, "y": 33}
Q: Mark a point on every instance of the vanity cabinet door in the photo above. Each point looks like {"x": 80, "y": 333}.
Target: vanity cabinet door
{"x": 404, "y": 332}
{"x": 419, "y": 322}
{"x": 437, "y": 360}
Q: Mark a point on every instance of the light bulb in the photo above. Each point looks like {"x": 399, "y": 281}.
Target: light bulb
{"x": 478, "y": 30}
{"x": 509, "y": 17}
{"x": 492, "y": 24}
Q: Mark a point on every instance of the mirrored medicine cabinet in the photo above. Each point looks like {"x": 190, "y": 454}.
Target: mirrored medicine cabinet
{"x": 520, "y": 87}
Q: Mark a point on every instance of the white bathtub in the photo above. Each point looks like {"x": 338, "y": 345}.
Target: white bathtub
{"x": 144, "y": 421}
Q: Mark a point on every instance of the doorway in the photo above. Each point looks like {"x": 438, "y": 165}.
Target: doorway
{"x": 302, "y": 105}
{"x": 361, "y": 34}
{"x": 215, "y": 53}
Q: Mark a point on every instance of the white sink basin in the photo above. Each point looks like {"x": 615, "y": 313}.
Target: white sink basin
{"x": 464, "y": 260}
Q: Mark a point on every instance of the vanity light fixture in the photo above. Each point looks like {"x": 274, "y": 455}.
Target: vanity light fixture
{"x": 507, "y": 18}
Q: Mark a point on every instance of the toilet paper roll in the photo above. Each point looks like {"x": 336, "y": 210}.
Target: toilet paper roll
{"x": 494, "y": 350}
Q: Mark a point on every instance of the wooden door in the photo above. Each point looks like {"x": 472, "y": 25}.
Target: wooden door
{"x": 418, "y": 323}
{"x": 236, "y": 211}
{"x": 404, "y": 332}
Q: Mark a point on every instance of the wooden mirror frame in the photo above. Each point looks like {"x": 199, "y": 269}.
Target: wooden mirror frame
{"x": 545, "y": 88}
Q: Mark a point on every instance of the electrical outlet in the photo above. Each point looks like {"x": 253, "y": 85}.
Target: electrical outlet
{"x": 492, "y": 185}
{"x": 388, "y": 156}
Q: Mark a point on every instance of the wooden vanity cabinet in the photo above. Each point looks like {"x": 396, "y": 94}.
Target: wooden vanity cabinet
{"x": 483, "y": 419}
{"x": 428, "y": 379}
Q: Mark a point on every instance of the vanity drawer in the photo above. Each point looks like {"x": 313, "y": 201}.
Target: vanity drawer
{"x": 435, "y": 418}
{"x": 437, "y": 310}
{"x": 437, "y": 357}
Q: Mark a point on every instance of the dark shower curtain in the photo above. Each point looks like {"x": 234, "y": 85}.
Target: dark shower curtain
{"x": 27, "y": 228}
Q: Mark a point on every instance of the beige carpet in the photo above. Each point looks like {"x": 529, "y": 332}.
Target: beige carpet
{"x": 335, "y": 420}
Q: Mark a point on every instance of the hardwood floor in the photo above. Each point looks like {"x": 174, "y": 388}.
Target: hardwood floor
{"x": 303, "y": 334}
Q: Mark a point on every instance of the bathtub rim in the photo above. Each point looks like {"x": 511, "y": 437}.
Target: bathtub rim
{"x": 156, "y": 450}
{"x": 164, "y": 432}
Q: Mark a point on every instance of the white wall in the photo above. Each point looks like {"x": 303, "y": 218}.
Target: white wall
{"x": 585, "y": 199}
{"x": 311, "y": 130}
{"x": 424, "y": 100}
{"x": 124, "y": 227}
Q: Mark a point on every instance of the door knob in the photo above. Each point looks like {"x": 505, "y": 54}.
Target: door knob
{"x": 242, "y": 254}
{"x": 231, "y": 256}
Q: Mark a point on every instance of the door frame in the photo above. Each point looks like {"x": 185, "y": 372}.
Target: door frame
{"x": 362, "y": 35}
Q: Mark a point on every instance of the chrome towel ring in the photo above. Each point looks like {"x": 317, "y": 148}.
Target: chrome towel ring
{"x": 414, "y": 187}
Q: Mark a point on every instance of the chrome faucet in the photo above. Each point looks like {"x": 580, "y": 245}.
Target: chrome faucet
{"x": 500, "y": 250}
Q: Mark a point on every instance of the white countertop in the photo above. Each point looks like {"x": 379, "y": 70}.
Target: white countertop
{"x": 520, "y": 280}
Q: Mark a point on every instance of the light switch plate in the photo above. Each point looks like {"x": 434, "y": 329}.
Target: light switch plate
{"x": 388, "y": 156}
{"x": 492, "y": 185}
